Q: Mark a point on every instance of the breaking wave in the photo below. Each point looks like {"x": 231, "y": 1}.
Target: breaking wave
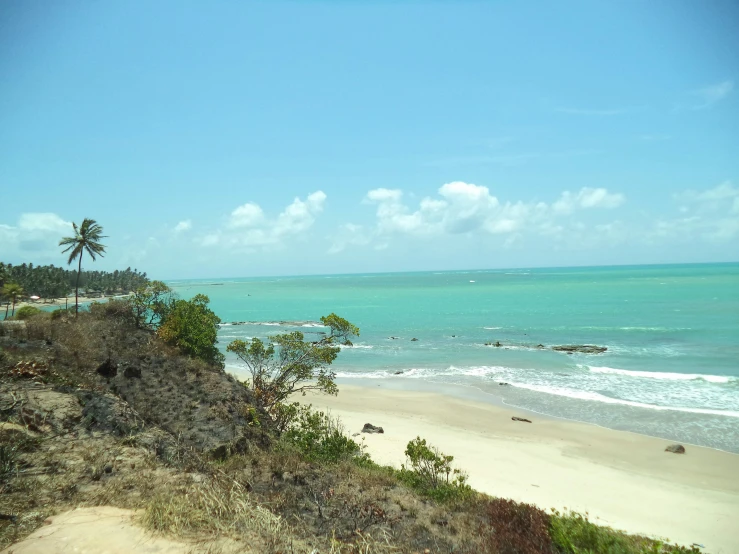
{"x": 661, "y": 375}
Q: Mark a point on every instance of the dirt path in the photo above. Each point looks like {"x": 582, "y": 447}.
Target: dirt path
{"x": 99, "y": 530}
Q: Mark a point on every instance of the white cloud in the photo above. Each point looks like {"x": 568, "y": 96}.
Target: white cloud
{"x": 39, "y": 233}
{"x": 711, "y": 214}
{"x": 248, "y": 215}
{"x": 466, "y": 208}
{"x": 300, "y": 215}
{"x": 248, "y": 225}
{"x": 724, "y": 191}
{"x": 599, "y": 198}
{"x": 210, "y": 240}
{"x": 349, "y": 235}
{"x": 392, "y": 214}
{"x": 710, "y": 95}
{"x": 587, "y": 198}
{"x": 43, "y": 222}
{"x": 183, "y": 226}
{"x": 384, "y": 195}
{"x": 710, "y": 200}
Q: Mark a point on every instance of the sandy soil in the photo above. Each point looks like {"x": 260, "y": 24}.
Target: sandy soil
{"x": 107, "y": 530}
{"x": 621, "y": 479}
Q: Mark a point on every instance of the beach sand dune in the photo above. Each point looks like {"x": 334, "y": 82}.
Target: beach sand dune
{"x": 621, "y": 479}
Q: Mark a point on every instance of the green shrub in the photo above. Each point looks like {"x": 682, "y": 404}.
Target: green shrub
{"x": 193, "y": 327}
{"x": 118, "y": 310}
{"x": 25, "y": 312}
{"x": 320, "y": 437}
{"x": 574, "y": 533}
{"x": 431, "y": 473}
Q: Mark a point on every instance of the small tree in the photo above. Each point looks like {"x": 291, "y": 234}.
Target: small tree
{"x": 151, "y": 303}
{"x": 431, "y": 472}
{"x": 11, "y": 291}
{"x": 193, "y": 327}
{"x": 295, "y": 365}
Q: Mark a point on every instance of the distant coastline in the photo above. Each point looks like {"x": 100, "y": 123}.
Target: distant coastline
{"x": 51, "y": 303}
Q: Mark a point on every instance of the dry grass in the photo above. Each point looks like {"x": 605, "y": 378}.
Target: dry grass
{"x": 211, "y": 507}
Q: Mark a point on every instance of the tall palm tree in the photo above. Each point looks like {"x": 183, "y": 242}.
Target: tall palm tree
{"x": 86, "y": 238}
{"x": 12, "y": 291}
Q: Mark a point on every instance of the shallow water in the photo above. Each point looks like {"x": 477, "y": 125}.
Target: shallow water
{"x": 672, "y": 333}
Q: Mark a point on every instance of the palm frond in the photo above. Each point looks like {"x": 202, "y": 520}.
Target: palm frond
{"x": 86, "y": 238}
{"x": 76, "y": 252}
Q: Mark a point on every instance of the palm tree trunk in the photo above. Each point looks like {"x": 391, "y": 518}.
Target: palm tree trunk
{"x": 77, "y": 288}
{"x": 11, "y": 315}
{"x": 7, "y": 307}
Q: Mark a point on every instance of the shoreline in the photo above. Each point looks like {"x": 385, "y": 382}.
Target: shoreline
{"x": 622, "y": 479}
{"x": 55, "y": 302}
{"x": 473, "y": 392}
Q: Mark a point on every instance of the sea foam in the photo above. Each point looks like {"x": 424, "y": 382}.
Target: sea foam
{"x": 660, "y": 375}
{"x": 596, "y": 397}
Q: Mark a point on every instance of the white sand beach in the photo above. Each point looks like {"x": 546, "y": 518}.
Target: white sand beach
{"x": 621, "y": 479}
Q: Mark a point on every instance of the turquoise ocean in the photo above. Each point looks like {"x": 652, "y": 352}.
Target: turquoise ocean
{"x": 672, "y": 332}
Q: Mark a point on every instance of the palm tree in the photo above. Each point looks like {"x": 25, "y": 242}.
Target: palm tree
{"x": 86, "y": 238}
{"x": 12, "y": 291}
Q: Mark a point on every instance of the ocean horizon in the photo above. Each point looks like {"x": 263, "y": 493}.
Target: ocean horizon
{"x": 671, "y": 332}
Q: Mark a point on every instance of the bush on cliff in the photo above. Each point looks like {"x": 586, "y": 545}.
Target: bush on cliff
{"x": 320, "y": 437}
{"x": 430, "y": 472}
{"x": 193, "y": 327}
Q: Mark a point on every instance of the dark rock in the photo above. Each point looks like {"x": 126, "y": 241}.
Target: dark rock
{"x": 393, "y": 338}
{"x": 676, "y": 449}
{"x": 220, "y": 453}
{"x": 108, "y": 469}
{"x": 504, "y": 384}
{"x": 414, "y": 339}
{"x": 580, "y": 348}
{"x": 521, "y": 419}
{"x": 108, "y": 368}
{"x": 398, "y": 373}
{"x": 497, "y": 344}
{"x": 369, "y": 428}
{"x": 540, "y": 346}
{"x": 131, "y": 372}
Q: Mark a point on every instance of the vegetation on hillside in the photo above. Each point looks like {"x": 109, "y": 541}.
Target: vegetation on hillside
{"x": 99, "y": 411}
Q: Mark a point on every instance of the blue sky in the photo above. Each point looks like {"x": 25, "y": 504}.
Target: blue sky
{"x": 254, "y": 138}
